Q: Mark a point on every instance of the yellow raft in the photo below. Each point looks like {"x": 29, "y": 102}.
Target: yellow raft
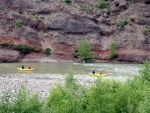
{"x": 26, "y": 69}
{"x": 97, "y": 74}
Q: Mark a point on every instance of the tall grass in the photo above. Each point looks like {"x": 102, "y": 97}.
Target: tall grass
{"x": 132, "y": 96}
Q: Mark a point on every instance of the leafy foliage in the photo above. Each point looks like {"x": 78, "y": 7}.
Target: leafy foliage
{"x": 113, "y": 53}
{"x": 25, "y": 104}
{"x": 24, "y": 48}
{"x": 84, "y": 52}
{"x": 22, "y": 102}
{"x": 6, "y": 44}
{"x": 19, "y": 22}
{"x": 47, "y": 51}
{"x": 103, "y": 4}
{"x": 145, "y": 71}
{"x": 122, "y": 23}
{"x": 5, "y": 102}
{"x": 146, "y": 31}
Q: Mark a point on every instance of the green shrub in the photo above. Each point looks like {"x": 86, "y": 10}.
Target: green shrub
{"x": 67, "y": 1}
{"x": 66, "y": 98}
{"x": 6, "y": 44}
{"x": 146, "y": 31}
{"x": 20, "y": 102}
{"x": 122, "y": 23}
{"x": 113, "y": 53}
{"x": 48, "y": 51}
{"x": 84, "y": 51}
{"x": 145, "y": 71}
{"x": 101, "y": 98}
{"x": 5, "y": 102}
{"x": 19, "y": 22}
{"x": 24, "y": 48}
{"x": 24, "y": 103}
{"x": 70, "y": 81}
{"x": 103, "y": 4}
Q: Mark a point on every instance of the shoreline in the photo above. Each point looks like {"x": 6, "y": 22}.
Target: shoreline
{"x": 51, "y": 60}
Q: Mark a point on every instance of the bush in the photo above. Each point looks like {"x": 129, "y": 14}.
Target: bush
{"x": 19, "y": 22}
{"x": 5, "y": 102}
{"x": 21, "y": 102}
{"x": 103, "y": 4}
{"x": 48, "y": 51}
{"x": 67, "y": 1}
{"x": 146, "y": 31}
{"x": 66, "y": 98}
{"x": 25, "y": 103}
{"x": 122, "y": 23}
{"x": 84, "y": 51}
{"x": 6, "y": 44}
{"x": 145, "y": 71}
{"x": 113, "y": 53}
{"x": 24, "y": 48}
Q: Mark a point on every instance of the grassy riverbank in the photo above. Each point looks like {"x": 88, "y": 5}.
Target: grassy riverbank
{"x": 132, "y": 96}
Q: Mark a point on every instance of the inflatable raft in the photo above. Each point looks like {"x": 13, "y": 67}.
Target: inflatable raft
{"x": 25, "y": 69}
{"x": 97, "y": 74}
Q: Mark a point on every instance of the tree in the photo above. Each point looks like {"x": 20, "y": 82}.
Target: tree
{"x": 84, "y": 52}
{"x": 113, "y": 53}
{"x": 48, "y": 51}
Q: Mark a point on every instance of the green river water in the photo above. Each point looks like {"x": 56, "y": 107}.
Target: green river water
{"x": 59, "y": 70}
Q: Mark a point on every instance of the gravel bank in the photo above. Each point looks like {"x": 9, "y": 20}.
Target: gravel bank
{"x": 43, "y": 83}
{"x": 40, "y": 84}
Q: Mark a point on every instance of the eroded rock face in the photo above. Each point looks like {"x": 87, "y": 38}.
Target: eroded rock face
{"x": 133, "y": 58}
{"x": 60, "y": 26}
{"x": 74, "y": 25}
{"x": 9, "y": 55}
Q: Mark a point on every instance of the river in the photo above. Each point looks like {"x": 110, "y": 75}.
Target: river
{"x": 81, "y": 70}
{"x": 46, "y": 75}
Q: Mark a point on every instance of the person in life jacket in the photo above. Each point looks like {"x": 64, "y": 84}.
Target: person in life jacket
{"x": 29, "y": 67}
